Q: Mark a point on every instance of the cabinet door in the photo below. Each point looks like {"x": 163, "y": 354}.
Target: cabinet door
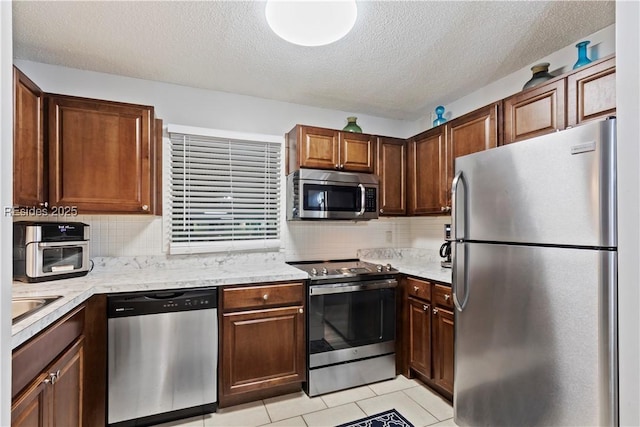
{"x": 318, "y": 148}
{"x": 591, "y": 92}
{"x": 535, "y": 112}
{"x": 67, "y": 394}
{"x": 419, "y": 336}
{"x": 443, "y": 349}
{"x": 261, "y": 349}
{"x": 356, "y": 152}
{"x": 471, "y": 133}
{"x": 426, "y": 157}
{"x": 32, "y": 408}
{"x": 28, "y": 143}
{"x": 392, "y": 158}
{"x": 99, "y": 155}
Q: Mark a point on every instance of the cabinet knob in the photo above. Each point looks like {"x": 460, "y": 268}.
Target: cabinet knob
{"x": 265, "y": 297}
{"x": 443, "y": 208}
{"x": 416, "y": 289}
{"x": 448, "y": 208}
{"x": 425, "y": 307}
{"x": 447, "y": 297}
{"x": 52, "y": 378}
{"x": 435, "y": 311}
{"x": 341, "y": 166}
{"x": 145, "y": 207}
{"x": 381, "y": 210}
{"x": 44, "y": 204}
{"x": 337, "y": 166}
{"x": 300, "y": 310}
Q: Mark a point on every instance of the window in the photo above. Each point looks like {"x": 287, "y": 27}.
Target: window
{"x": 224, "y": 190}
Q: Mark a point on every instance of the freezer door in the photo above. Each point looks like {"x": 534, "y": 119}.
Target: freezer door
{"x": 556, "y": 189}
{"x": 535, "y": 336}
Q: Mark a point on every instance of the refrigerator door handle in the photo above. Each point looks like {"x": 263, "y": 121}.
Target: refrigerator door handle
{"x": 459, "y": 276}
{"x": 458, "y": 208}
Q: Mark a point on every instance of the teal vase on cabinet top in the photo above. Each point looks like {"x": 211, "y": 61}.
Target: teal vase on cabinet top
{"x": 582, "y": 54}
{"x": 439, "y": 116}
{"x": 352, "y": 126}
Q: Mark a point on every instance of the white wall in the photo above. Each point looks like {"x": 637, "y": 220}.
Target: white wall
{"x": 602, "y": 44}
{"x": 198, "y": 107}
{"x": 6, "y": 172}
{"x": 628, "y": 112}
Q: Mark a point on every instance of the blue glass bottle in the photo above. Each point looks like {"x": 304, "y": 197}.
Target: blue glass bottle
{"x": 582, "y": 54}
{"x": 439, "y": 113}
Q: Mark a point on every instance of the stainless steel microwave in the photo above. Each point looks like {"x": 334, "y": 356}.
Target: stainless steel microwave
{"x": 322, "y": 194}
{"x": 50, "y": 250}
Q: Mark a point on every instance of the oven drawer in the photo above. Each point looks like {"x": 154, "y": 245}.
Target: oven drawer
{"x": 419, "y": 289}
{"x": 442, "y": 296}
{"x": 248, "y": 297}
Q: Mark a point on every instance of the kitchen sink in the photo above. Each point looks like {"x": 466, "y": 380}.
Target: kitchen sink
{"x": 23, "y": 307}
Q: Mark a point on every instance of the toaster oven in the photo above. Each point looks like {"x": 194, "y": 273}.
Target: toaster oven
{"x": 50, "y": 250}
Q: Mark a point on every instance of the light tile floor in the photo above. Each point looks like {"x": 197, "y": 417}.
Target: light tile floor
{"x": 411, "y": 398}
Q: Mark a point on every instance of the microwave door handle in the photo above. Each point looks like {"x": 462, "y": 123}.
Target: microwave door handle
{"x": 59, "y": 244}
{"x": 362, "y": 201}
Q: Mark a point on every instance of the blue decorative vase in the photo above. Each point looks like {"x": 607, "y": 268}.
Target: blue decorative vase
{"x": 352, "y": 126}
{"x": 582, "y": 54}
{"x": 439, "y": 119}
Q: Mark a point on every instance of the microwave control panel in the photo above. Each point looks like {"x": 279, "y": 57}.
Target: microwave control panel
{"x": 370, "y": 198}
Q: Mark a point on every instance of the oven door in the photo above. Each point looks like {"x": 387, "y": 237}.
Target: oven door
{"x": 349, "y": 321}
{"x": 51, "y": 259}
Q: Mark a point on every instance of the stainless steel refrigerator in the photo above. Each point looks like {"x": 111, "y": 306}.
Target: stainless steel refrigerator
{"x": 535, "y": 281}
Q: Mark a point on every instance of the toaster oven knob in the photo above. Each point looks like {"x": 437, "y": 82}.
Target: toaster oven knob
{"x": 325, "y": 271}
{"x": 314, "y": 272}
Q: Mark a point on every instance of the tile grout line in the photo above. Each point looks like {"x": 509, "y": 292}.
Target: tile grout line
{"x": 418, "y": 403}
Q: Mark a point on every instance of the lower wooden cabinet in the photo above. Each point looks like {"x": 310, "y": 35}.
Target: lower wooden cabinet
{"x": 262, "y": 348}
{"x": 428, "y": 333}
{"x": 58, "y": 377}
{"x": 54, "y": 397}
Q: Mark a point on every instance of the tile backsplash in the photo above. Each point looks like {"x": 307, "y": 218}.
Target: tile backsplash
{"x": 137, "y": 235}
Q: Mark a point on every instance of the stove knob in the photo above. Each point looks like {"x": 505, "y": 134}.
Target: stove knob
{"x": 325, "y": 271}
{"x": 388, "y": 267}
{"x": 379, "y": 267}
{"x": 314, "y": 272}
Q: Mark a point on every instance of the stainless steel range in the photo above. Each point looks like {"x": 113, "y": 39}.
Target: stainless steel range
{"x": 351, "y": 320}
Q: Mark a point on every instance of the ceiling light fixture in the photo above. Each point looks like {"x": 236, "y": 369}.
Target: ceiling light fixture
{"x": 311, "y": 22}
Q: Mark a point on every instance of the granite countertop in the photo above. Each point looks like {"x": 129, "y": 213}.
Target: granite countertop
{"x": 147, "y": 273}
{"x": 132, "y": 274}
{"x": 421, "y": 263}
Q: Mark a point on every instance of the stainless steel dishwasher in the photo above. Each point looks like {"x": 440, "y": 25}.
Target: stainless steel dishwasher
{"x": 162, "y": 356}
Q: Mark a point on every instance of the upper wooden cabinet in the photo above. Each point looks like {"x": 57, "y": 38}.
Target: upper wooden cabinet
{"x": 391, "y": 168}
{"x": 432, "y": 157}
{"x": 471, "y": 133}
{"x": 29, "y": 167}
{"x": 320, "y": 148}
{"x": 534, "y": 112}
{"x": 100, "y": 155}
{"x": 587, "y": 93}
{"x": 591, "y": 92}
{"x": 425, "y": 167}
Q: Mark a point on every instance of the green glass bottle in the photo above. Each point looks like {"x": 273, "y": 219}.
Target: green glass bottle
{"x": 352, "y": 126}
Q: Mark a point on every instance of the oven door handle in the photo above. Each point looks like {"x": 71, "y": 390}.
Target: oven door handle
{"x": 338, "y": 288}
{"x": 60, "y": 244}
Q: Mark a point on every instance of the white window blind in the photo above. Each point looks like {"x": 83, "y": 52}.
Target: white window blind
{"x": 225, "y": 191}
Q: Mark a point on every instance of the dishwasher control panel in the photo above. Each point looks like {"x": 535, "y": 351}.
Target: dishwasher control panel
{"x": 141, "y": 303}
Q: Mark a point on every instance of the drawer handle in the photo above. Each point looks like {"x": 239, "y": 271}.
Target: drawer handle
{"x": 265, "y": 297}
{"x": 416, "y": 289}
{"x": 447, "y": 297}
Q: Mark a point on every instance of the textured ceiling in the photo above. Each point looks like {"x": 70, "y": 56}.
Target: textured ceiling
{"x": 400, "y": 58}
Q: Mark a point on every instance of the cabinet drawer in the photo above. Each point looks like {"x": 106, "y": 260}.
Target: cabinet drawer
{"x": 442, "y": 296}
{"x": 36, "y": 354}
{"x": 419, "y": 289}
{"x": 259, "y": 296}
